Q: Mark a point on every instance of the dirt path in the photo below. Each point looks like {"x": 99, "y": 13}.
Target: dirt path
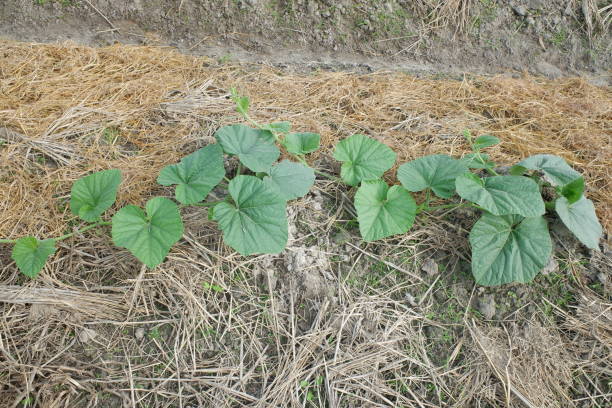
{"x": 551, "y": 38}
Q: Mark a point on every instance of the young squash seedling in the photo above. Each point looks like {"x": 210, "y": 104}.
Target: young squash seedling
{"x": 252, "y": 215}
{"x": 510, "y": 242}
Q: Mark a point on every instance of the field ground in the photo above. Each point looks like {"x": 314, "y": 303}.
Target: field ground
{"x": 331, "y": 321}
{"x": 552, "y": 38}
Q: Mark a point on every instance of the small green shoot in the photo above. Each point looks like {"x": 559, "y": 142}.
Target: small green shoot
{"x": 213, "y": 287}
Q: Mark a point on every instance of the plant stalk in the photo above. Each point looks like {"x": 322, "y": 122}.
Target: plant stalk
{"x": 65, "y": 236}
{"x": 207, "y": 204}
{"x": 445, "y": 206}
{"x": 87, "y": 228}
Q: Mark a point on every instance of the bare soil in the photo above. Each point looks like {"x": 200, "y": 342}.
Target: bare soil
{"x": 551, "y": 38}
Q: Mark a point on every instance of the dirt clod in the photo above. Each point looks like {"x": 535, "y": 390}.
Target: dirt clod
{"x": 487, "y": 306}
{"x": 430, "y": 267}
{"x": 86, "y": 335}
{"x": 551, "y": 267}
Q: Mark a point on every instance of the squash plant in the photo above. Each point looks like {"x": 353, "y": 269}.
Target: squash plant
{"x": 510, "y": 242}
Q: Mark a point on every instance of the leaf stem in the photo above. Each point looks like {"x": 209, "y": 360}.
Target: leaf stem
{"x": 87, "y": 228}
{"x": 65, "y": 236}
{"x": 328, "y": 176}
{"x": 444, "y": 206}
{"x": 491, "y": 171}
{"x": 207, "y": 204}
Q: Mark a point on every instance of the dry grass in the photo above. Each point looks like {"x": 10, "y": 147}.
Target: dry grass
{"x": 596, "y": 19}
{"x": 110, "y": 332}
{"x": 444, "y": 13}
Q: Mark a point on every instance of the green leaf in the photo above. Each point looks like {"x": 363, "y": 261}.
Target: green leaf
{"x": 302, "y": 143}
{"x": 148, "y": 236}
{"x": 485, "y": 141}
{"x": 363, "y": 159}
{"x": 502, "y": 195}
{"x": 472, "y": 161}
{"x": 517, "y": 170}
{"x": 290, "y": 179}
{"x": 30, "y": 254}
{"x": 573, "y": 191}
{"x": 509, "y": 248}
{"x": 242, "y": 102}
{"x": 279, "y": 127}
{"x": 383, "y": 211}
{"x": 437, "y": 172}
{"x": 255, "y": 148}
{"x": 196, "y": 174}
{"x": 256, "y": 222}
{"x": 581, "y": 219}
{"x": 555, "y": 169}
{"x": 94, "y": 194}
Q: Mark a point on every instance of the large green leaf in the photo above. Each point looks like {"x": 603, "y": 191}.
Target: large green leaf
{"x": 437, "y": 172}
{"x": 256, "y": 222}
{"x": 302, "y": 143}
{"x": 148, "y": 235}
{"x": 509, "y": 248}
{"x": 196, "y": 175}
{"x": 383, "y": 211}
{"x": 290, "y": 179}
{"x": 502, "y": 195}
{"x": 581, "y": 219}
{"x": 94, "y": 194}
{"x": 363, "y": 159}
{"x": 255, "y": 148}
{"x": 30, "y": 254}
{"x": 556, "y": 170}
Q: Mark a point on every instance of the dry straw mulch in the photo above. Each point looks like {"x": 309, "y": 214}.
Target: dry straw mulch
{"x": 68, "y": 110}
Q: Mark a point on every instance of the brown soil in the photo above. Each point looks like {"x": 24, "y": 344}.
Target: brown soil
{"x": 550, "y": 38}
